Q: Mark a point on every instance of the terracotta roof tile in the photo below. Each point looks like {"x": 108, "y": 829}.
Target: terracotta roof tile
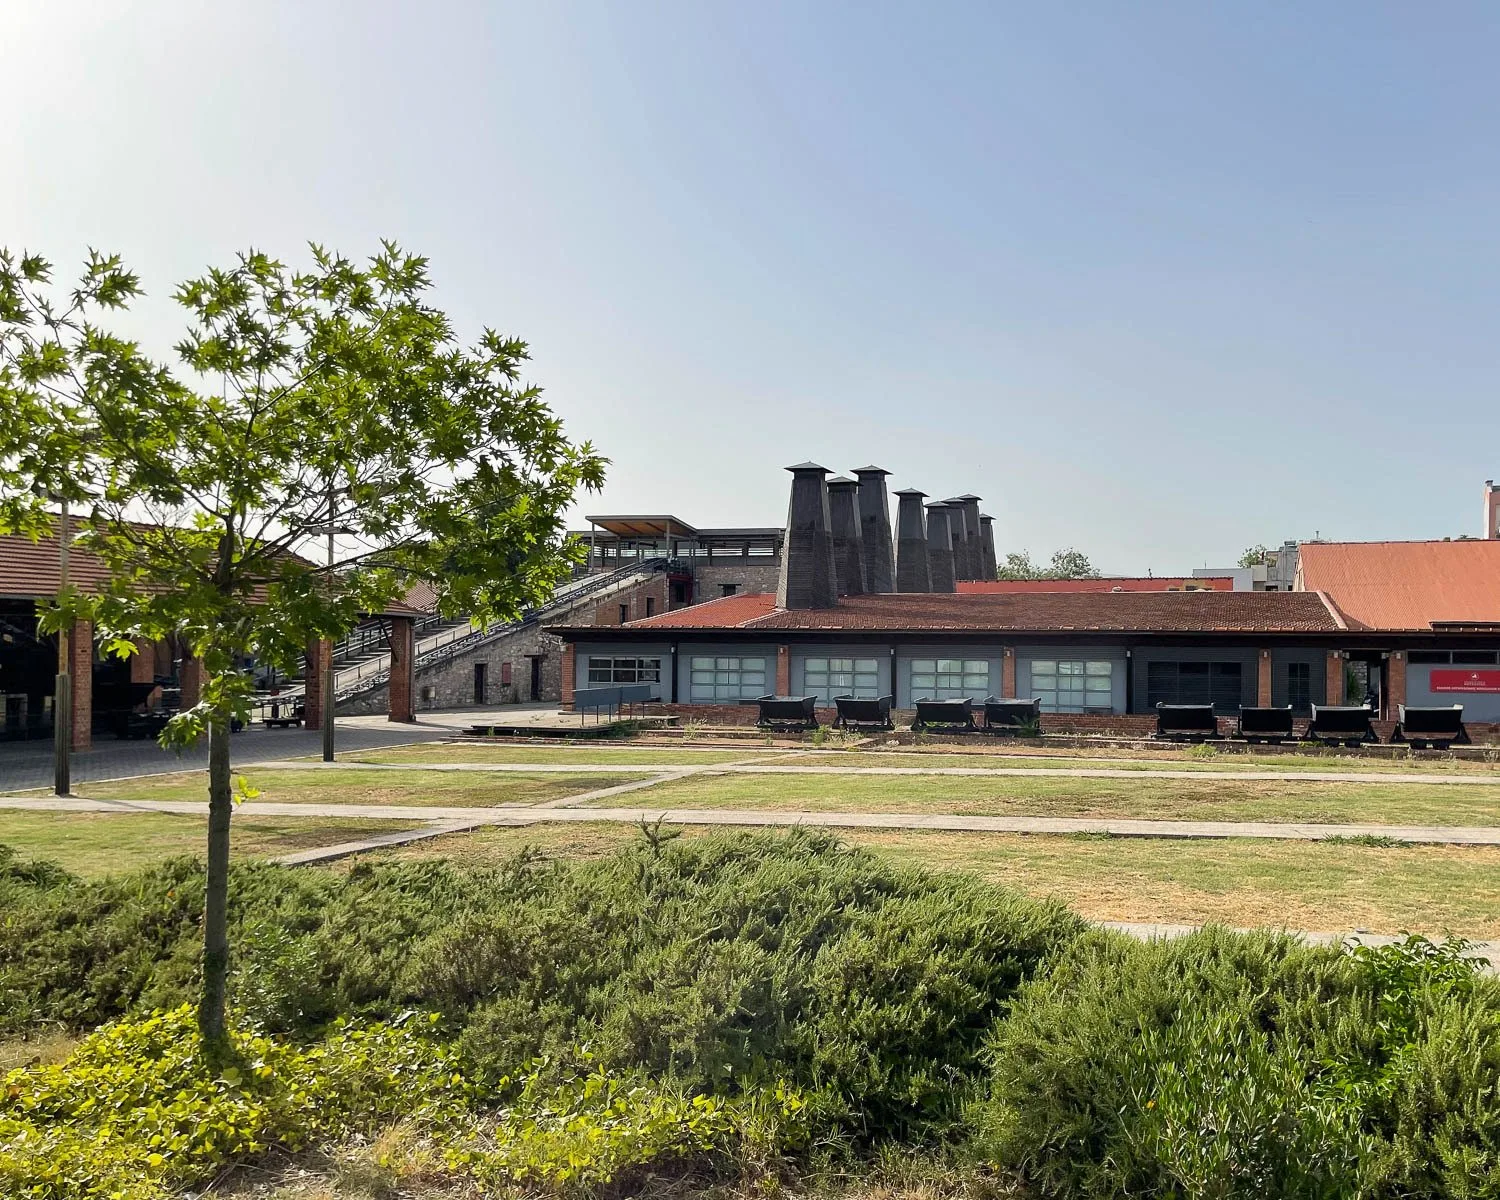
{"x": 1122, "y": 612}
{"x": 1406, "y": 585}
{"x": 1214, "y": 583}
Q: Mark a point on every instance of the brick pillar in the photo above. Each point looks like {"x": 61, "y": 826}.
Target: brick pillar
{"x": 1395, "y": 684}
{"x": 569, "y": 675}
{"x": 783, "y": 670}
{"x": 313, "y": 687}
{"x": 143, "y": 667}
{"x": 403, "y": 668}
{"x": 190, "y": 678}
{"x": 1008, "y": 674}
{"x": 1334, "y": 691}
{"x": 81, "y": 668}
{"x": 1263, "y": 679}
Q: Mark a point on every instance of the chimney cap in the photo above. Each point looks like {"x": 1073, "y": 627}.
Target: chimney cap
{"x": 871, "y": 471}
{"x": 842, "y": 481}
{"x": 936, "y": 504}
{"x": 985, "y": 517}
{"x": 970, "y": 496}
{"x": 808, "y": 466}
{"x": 910, "y": 492}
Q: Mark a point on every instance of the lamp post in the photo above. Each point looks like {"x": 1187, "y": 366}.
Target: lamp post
{"x": 332, "y": 527}
{"x": 62, "y": 694}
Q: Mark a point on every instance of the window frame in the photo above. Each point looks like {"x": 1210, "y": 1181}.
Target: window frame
{"x": 926, "y": 678}
{"x": 827, "y": 677}
{"x": 1087, "y": 679}
{"x": 725, "y": 678}
{"x": 616, "y": 672}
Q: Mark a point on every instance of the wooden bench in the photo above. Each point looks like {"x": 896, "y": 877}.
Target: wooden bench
{"x": 1012, "y": 716}
{"x": 864, "y": 714}
{"x": 1186, "y": 722}
{"x": 286, "y": 713}
{"x": 1265, "y": 724}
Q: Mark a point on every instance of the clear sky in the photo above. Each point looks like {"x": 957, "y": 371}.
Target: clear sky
{"x": 1157, "y": 280}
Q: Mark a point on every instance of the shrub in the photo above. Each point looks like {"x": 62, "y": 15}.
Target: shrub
{"x": 1234, "y": 1065}
{"x": 135, "y": 1113}
{"x": 713, "y": 963}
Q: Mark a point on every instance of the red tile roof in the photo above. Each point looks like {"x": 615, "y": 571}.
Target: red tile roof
{"x": 1406, "y": 585}
{"x": 1214, "y": 583}
{"x": 1040, "y": 612}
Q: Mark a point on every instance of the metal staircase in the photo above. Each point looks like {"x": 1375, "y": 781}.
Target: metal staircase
{"x": 362, "y": 661}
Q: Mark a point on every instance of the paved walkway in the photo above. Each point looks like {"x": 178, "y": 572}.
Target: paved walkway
{"x": 757, "y": 768}
{"x": 518, "y": 814}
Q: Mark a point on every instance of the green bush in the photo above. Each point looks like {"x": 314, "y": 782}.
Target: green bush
{"x": 712, "y": 963}
{"x": 1249, "y": 1065}
{"x": 135, "y": 1113}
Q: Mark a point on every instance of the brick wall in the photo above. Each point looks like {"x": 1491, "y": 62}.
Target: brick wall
{"x": 81, "y": 668}
{"x": 746, "y": 574}
{"x": 402, "y": 684}
{"x": 632, "y": 601}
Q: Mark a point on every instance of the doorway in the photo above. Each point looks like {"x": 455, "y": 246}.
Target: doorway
{"x": 481, "y": 683}
{"x": 536, "y": 678}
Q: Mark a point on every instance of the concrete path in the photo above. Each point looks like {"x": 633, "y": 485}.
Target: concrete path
{"x": 1148, "y": 931}
{"x": 757, "y": 768}
{"x": 516, "y": 814}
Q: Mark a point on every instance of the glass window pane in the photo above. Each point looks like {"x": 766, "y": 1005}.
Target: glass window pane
{"x": 816, "y": 664}
{"x": 1099, "y": 668}
{"x": 702, "y": 664}
{"x": 949, "y": 665}
{"x": 866, "y": 664}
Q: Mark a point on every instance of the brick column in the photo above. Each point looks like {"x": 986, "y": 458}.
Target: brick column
{"x": 313, "y": 687}
{"x": 1008, "y": 674}
{"x": 1334, "y": 690}
{"x": 1263, "y": 679}
{"x": 569, "y": 675}
{"x": 81, "y": 668}
{"x": 1395, "y": 684}
{"x": 783, "y": 670}
{"x": 190, "y": 679}
{"x": 403, "y": 668}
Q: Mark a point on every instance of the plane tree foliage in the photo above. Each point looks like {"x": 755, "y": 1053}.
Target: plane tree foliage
{"x": 297, "y": 399}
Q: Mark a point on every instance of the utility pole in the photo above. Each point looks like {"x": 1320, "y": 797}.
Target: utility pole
{"x": 62, "y": 694}
{"x": 328, "y": 699}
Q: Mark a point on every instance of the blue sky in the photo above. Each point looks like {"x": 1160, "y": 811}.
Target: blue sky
{"x": 1156, "y": 280}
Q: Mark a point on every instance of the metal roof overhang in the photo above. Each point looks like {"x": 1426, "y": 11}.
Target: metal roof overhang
{"x": 662, "y": 525}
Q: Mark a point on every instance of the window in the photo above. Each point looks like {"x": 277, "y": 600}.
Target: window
{"x": 1216, "y": 683}
{"x": 650, "y": 605}
{"x": 727, "y": 678}
{"x": 1073, "y": 685}
{"x": 949, "y": 678}
{"x": 1299, "y": 686}
{"x": 728, "y": 589}
{"x": 827, "y": 678}
{"x": 624, "y": 613}
{"x": 679, "y": 591}
{"x": 623, "y": 670}
{"x": 1429, "y": 656}
{"x": 1474, "y": 658}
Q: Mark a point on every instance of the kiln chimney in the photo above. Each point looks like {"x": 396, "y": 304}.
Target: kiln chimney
{"x": 848, "y": 552}
{"x": 911, "y": 543}
{"x": 940, "y": 553}
{"x": 875, "y": 529}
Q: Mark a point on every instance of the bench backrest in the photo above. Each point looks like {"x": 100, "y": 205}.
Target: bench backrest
{"x": 636, "y": 693}
{"x": 591, "y": 699}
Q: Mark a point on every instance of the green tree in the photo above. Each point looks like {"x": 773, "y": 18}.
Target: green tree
{"x": 1255, "y": 556}
{"x": 333, "y": 396}
{"x": 1065, "y": 564}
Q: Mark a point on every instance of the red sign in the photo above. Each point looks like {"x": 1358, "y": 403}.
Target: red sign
{"x": 1465, "y": 681}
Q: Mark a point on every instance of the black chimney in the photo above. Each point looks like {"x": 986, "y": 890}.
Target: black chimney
{"x": 973, "y": 537}
{"x": 987, "y": 544}
{"x": 940, "y": 553}
{"x": 875, "y": 529}
{"x": 911, "y": 543}
{"x": 807, "y": 574}
{"x": 848, "y": 552}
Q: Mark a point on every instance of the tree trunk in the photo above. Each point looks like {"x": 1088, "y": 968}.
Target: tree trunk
{"x": 211, "y": 1002}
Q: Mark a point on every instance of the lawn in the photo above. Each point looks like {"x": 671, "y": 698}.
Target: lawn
{"x": 317, "y": 786}
{"x": 624, "y": 756}
{"x": 1395, "y": 803}
{"x": 990, "y": 754}
{"x": 93, "y": 844}
{"x": 1302, "y": 885}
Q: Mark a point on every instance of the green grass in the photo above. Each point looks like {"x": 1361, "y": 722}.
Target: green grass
{"x": 94, "y": 844}
{"x": 625, "y": 756}
{"x": 1239, "y": 881}
{"x": 1146, "y": 798}
{"x": 457, "y": 789}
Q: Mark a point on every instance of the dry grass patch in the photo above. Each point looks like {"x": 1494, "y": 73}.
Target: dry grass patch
{"x": 1008, "y": 755}
{"x": 94, "y": 844}
{"x": 602, "y": 755}
{"x": 1146, "y": 798}
{"x": 455, "y": 789}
